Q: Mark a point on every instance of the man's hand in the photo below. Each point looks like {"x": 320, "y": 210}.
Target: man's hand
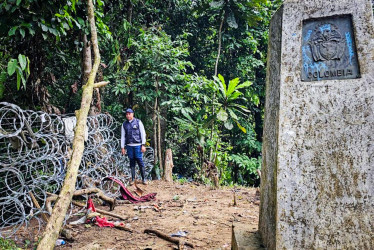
{"x": 123, "y": 151}
{"x": 143, "y": 149}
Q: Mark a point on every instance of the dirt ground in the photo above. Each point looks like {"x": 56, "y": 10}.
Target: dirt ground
{"x": 207, "y": 216}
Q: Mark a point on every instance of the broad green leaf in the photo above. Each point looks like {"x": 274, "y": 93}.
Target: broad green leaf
{"x": 2, "y": 88}
{"x": 12, "y": 65}
{"x": 222, "y": 115}
{"x": 228, "y": 124}
{"x": 81, "y": 21}
{"x": 65, "y": 26}
{"x": 241, "y": 127}
{"x": 23, "y": 81}
{"x": 187, "y": 116}
{"x": 232, "y": 86}
{"x": 222, "y": 81}
{"x": 28, "y": 67}
{"x": 32, "y": 32}
{"x": 44, "y": 28}
{"x": 234, "y": 96}
{"x": 244, "y": 84}
{"x": 22, "y": 32}
{"x": 181, "y": 120}
{"x": 12, "y": 31}
{"x": 18, "y": 2}
{"x": 22, "y": 61}
{"x": 232, "y": 114}
{"x": 18, "y": 80}
{"x": 45, "y": 36}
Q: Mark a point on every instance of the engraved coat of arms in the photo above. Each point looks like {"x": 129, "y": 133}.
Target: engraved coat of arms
{"x": 326, "y": 43}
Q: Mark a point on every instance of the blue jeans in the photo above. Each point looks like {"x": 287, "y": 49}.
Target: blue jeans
{"x": 135, "y": 155}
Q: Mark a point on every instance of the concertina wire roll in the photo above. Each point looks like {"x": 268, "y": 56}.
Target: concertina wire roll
{"x": 34, "y": 151}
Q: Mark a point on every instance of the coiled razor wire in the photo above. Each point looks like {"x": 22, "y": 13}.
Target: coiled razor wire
{"x": 34, "y": 151}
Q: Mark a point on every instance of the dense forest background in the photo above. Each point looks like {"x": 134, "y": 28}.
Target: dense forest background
{"x": 193, "y": 71}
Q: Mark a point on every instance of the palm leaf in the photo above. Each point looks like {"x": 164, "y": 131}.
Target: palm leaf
{"x": 235, "y": 95}
{"x": 243, "y": 85}
{"x": 240, "y": 107}
{"x": 232, "y": 86}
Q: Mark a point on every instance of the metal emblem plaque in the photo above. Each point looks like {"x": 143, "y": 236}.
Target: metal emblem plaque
{"x": 328, "y": 49}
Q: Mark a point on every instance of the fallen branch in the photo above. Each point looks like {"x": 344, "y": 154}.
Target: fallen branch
{"x": 99, "y": 193}
{"x": 180, "y": 243}
{"x": 53, "y": 197}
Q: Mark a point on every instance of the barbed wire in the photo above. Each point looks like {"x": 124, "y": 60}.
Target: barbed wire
{"x": 34, "y": 151}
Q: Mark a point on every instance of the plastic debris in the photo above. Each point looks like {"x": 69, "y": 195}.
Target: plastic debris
{"x": 180, "y": 233}
{"x": 60, "y": 242}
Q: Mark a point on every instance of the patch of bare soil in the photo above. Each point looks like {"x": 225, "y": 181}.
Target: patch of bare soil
{"x": 205, "y": 214}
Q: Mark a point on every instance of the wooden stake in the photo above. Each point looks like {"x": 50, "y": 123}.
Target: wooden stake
{"x": 45, "y": 217}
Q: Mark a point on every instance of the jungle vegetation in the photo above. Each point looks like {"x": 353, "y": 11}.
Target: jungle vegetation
{"x": 193, "y": 71}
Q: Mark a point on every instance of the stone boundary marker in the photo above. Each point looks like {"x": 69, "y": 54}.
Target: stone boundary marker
{"x": 317, "y": 180}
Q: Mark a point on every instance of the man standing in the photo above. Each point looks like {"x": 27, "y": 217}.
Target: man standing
{"x": 133, "y": 137}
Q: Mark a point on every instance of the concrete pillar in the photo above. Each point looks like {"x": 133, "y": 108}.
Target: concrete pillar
{"x": 317, "y": 180}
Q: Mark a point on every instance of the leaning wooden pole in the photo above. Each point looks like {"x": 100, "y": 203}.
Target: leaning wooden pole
{"x": 64, "y": 199}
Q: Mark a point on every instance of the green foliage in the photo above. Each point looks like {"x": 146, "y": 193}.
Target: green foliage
{"x": 228, "y": 105}
{"x": 247, "y": 164}
{"x": 20, "y": 67}
{"x": 8, "y": 244}
{"x": 147, "y": 45}
{"x": 181, "y": 181}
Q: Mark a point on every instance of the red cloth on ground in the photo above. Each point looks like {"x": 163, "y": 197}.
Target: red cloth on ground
{"x": 127, "y": 195}
{"x": 101, "y": 222}
{"x": 90, "y": 205}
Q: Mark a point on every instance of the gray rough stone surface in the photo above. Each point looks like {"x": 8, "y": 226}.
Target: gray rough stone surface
{"x": 268, "y": 204}
{"x": 318, "y": 153}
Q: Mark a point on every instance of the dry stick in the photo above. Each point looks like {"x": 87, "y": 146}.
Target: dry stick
{"x": 37, "y": 205}
{"x": 234, "y": 199}
{"x": 54, "y": 198}
{"x": 167, "y": 237}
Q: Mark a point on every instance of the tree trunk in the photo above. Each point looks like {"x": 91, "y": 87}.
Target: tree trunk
{"x": 159, "y": 137}
{"x": 168, "y": 171}
{"x": 215, "y": 74}
{"x": 154, "y": 118}
{"x": 129, "y": 11}
{"x": 219, "y": 43}
{"x": 86, "y": 59}
{"x": 62, "y": 204}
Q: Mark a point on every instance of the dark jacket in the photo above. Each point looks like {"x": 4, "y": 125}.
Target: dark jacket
{"x": 132, "y": 132}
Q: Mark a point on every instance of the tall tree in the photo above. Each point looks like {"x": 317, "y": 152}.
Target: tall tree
{"x": 64, "y": 199}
